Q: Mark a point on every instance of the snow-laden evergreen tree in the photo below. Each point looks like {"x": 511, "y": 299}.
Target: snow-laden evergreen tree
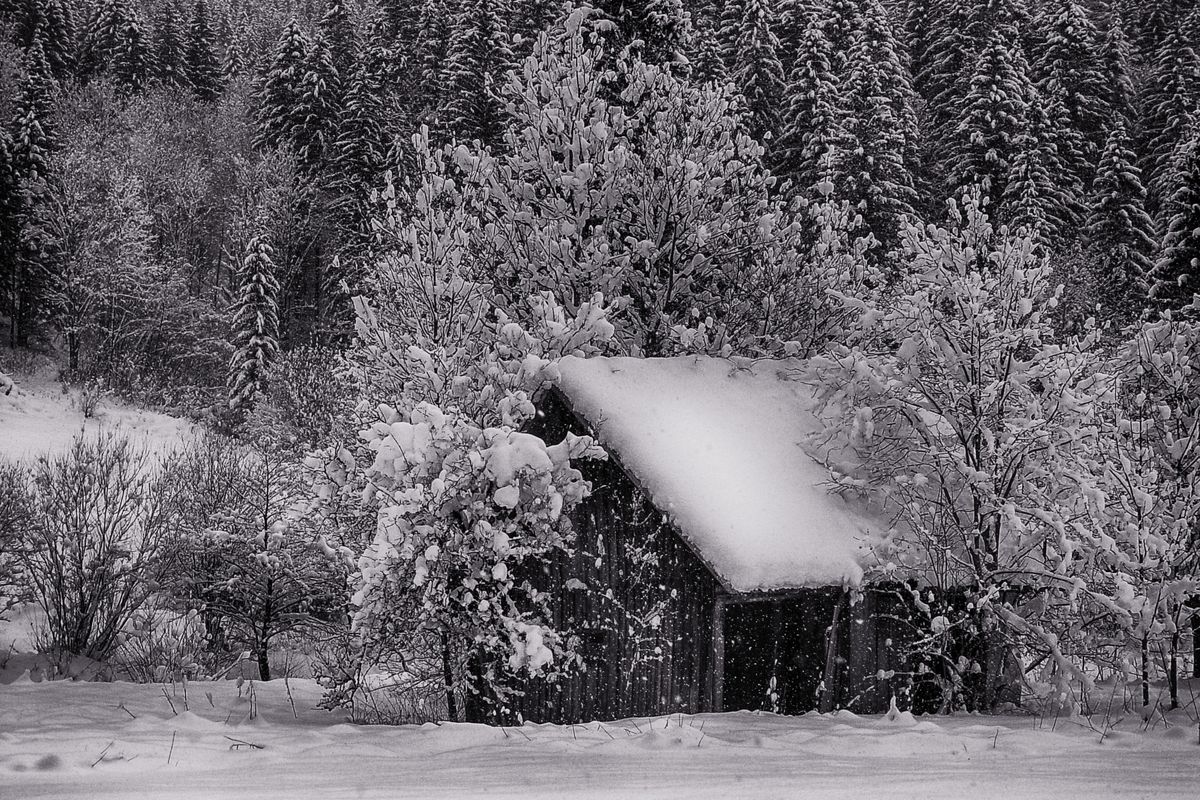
{"x": 361, "y": 148}
{"x": 34, "y": 140}
{"x": 169, "y": 45}
{"x": 202, "y": 67}
{"x": 755, "y": 69}
{"x": 10, "y": 235}
{"x": 1029, "y": 194}
{"x": 530, "y": 19}
{"x": 1120, "y": 233}
{"x": 314, "y": 125}
{"x": 131, "y": 66}
{"x": 402, "y": 22}
{"x": 791, "y": 20}
{"x": 1071, "y": 70}
{"x": 276, "y": 114}
{"x": 428, "y": 70}
{"x": 1169, "y": 95}
{"x": 1116, "y": 54}
{"x": 114, "y": 34}
{"x": 477, "y": 60}
{"x": 656, "y": 31}
{"x": 1175, "y": 278}
{"x": 878, "y": 131}
{"x": 337, "y": 29}
{"x": 51, "y": 21}
{"x": 810, "y": 126}
{"x": 706, "y": 57}
{"x": 993, "y": 119}
{"x": 255, "y": 326}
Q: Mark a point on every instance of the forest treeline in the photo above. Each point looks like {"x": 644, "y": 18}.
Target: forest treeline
{"x": 157, "y": 156}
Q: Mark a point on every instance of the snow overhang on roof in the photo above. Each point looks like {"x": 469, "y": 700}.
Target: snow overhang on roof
{"x": 717, "y": 444}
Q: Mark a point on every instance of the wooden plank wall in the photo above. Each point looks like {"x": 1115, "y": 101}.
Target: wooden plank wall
{"x": 665, "y": 669}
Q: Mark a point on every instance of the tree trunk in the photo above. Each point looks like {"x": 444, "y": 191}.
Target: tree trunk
{"x": 448, "y": 677}
{"x": 1146, "y": 669}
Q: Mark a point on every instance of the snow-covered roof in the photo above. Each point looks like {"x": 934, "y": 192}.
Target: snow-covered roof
{"x": 717, "y": 445}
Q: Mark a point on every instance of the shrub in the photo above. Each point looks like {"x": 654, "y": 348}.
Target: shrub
{"x": 96, "y": 541}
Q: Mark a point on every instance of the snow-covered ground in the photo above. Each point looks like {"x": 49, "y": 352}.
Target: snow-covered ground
{"x": 37, "y": 418}
{"x": 120, "y": 740}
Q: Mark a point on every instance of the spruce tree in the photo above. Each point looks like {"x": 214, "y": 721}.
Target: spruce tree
{"x": 281, "y": 88}
{"x": 706, "y": 57}
{"x": 655, "y": 31}
{"x": 1071, "y": 70}
{"x": 1117, "y": 59}
{"x": 756, "y": 70}
{"x": 10, "y": 232}
{"x": 130, "y": 66}
{"x": 1175, "y": 278}
{"x": 169, "y": 46}
{"x": 878, "y": 130}
{"x": 811, "y": 119}
{"x": 402, "y": 22}
{"x": 33, "y": 142}
{"x": 427, "y": 75}
{"x": 314, "y": 126}
{"x": 477, "y": 60}
{"x": 1169, "y": 95}
{"x": 255, "y": 326}
{"x": 105, "y": 37}
{"x": 203, "y": 68}
{"x": 337, "y": 30}
{"x": 994, "y": 117}
{"x": 360, "y": 153}
{"x": 1119, "y": 233}
{"x": 52, "y": 22}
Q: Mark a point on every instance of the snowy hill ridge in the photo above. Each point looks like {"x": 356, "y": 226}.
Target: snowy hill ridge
{"x": 718, "y": 445}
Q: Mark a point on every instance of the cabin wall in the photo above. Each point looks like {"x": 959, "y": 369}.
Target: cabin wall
{"x": 648, "y": 648}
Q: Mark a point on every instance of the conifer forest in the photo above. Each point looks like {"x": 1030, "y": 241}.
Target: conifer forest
{"x": 320, "y": 322}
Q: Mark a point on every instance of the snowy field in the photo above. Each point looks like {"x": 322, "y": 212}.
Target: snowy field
{"x": 120, "y": 740}
{"x": 38, "y": 418}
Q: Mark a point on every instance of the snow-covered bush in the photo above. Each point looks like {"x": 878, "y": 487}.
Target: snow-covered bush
{"x": 253, "y": 565}
{"x": 98, "y": 541}
{"x": 1149, "y": 465}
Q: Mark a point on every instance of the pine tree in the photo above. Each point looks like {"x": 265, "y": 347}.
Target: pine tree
{"x": 1071, "y": 70}
{"x": 51, "y": 21}
{"x": 169, "y": 47}
{"x": 655, "y": 31}
{"x": 314, "y": 125}
{"x": 1175, "y": 278}
{"x": 255, "y": 326}
{"x": 1119, "y": 233}
{"x": 878, "y": 131}
{"x": 757, "y": 72}
{"x": 1169, "y": 95}
{"x": 811, "y": 119}
{"x": 281, "y": 89}
{"x": 10, "y": 232}
{"x": 361, "y": 150}
{"x": 337, "y": 30}
{"x": 427, "y": 75}
{"x": 532, "y": 18}
{"x": 1117, "y": 58}
{"x": 106, "y": 36}
{"x": 130, "y": 66}
{"x": 986, "y": 137}
{"x": 707, "y": 60}
{"x": 203, "y": 68}
{"x": 402, "y": 23}
{"x": 477, "y": 60}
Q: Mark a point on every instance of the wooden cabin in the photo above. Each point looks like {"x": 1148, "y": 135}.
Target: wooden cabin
{"x": 713, "y": 570}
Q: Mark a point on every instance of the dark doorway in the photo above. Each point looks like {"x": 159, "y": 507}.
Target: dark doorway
{"x": 775, "y": 653}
